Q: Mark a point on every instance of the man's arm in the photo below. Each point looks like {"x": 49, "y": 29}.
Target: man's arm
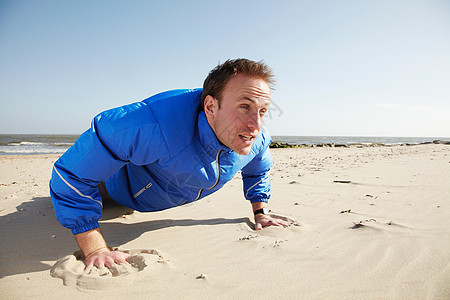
{"x": 256, "y": 179}
{"x": 111, "y": 143}
{"x": 96, "y": 252}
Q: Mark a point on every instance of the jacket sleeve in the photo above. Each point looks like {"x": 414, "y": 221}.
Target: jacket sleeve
{"x": 256, "y": 176}
{"x": 116, "y": 137}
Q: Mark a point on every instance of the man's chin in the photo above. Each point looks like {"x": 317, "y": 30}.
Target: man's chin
{"x": 243, "y": 150}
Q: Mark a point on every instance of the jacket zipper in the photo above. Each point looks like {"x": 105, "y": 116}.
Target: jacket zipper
{"x": 142, "y": 190}
{"x": 218, "y": 175}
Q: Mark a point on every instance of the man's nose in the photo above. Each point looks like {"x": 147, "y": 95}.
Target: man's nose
{"x": 255, "y": 121}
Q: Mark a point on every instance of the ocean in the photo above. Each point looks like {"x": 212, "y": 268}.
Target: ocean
{"x": 13, "y": 144}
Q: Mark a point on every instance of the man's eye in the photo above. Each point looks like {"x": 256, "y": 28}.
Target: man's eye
{"x": 262, "y": 112}
{"x": 245, "y": 106}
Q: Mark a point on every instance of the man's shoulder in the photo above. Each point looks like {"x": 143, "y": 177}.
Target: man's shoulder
{"x": 176, "y": 113}
{"x": 176, "y": 107}
{"x": 174, "y": 97}
{"x": 168, "y": 117}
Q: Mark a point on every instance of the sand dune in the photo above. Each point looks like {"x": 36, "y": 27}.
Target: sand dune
{"x": 370, "y": 223}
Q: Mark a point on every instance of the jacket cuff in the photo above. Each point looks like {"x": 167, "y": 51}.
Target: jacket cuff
{"x": 85, "y": 227}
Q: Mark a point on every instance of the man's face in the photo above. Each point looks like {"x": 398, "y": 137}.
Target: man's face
{"x": 238, "y": 121}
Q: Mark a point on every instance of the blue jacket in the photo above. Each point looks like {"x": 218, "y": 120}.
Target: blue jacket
{"x": 152, "y": 155}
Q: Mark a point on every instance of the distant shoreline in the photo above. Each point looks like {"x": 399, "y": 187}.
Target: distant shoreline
{"x": 341, "y": 141}
{"x": 360, "y": 145}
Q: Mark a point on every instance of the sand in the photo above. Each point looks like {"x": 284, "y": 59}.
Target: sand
{"x": 370, "y": 223}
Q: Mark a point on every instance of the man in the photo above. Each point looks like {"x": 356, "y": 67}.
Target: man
{"x": 170, "y": 149}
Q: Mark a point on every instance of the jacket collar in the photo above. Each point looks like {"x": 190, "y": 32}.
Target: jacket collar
{"x": 208, "y": 138}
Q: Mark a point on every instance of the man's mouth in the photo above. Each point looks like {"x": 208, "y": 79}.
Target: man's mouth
{"x": 246, "y": 138}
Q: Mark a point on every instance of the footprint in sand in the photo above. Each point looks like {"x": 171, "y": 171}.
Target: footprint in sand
{"x": 71, "y": 270}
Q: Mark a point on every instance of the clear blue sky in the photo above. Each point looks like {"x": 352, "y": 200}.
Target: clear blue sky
{"x": 359, "y": 68}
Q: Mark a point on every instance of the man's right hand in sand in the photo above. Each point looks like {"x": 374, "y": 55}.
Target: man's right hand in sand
{"x": 105, "y": 257}
{"x": 96, "y": 252}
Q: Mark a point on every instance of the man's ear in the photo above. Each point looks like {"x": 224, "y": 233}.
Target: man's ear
{"x": 211, "y": 106}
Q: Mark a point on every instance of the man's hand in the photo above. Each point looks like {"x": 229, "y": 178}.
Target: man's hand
{"x": 105, "y": 257}
{"x": 262, "y": 221}
{"x": 96, "y": 252}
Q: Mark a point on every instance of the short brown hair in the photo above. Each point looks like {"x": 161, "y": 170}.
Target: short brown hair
{"x": 220, "y": 75}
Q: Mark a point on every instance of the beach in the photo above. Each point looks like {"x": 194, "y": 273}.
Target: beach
{"x": 364, "y": 222}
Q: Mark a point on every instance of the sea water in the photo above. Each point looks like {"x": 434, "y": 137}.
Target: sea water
{"x": 35, "y": 143}
{"x": 57, "y": 144}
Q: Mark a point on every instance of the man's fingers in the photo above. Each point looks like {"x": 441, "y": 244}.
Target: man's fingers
{"x": 279, "y": 222}
{"x": 269, "y": 222}
{"x": 120, "y": 257}
{"x": 258, "y": 226}
{"x": 123, "y": 258}
{"x": 89, "y": 265}
{"x": 116, "y": 257}
{"x": 106, "y": 259}
{"x": 109, "y": 262}
{"x": 94, "y": 262}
